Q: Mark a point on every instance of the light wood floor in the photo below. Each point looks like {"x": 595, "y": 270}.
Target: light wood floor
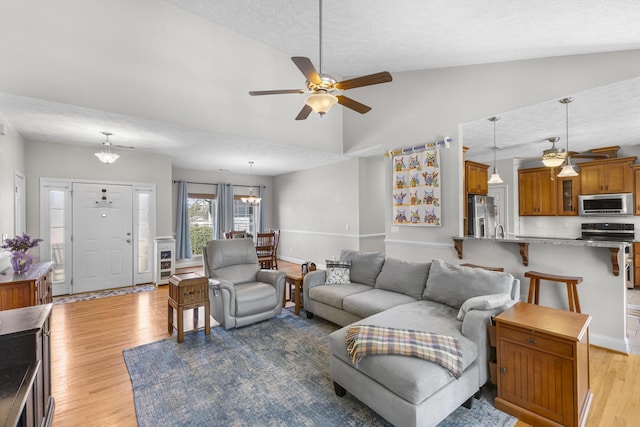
{"x": 91, "y": 383}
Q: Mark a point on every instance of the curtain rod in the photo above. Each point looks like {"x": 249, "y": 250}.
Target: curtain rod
{"x": 430, "y": 145}
{"x": 215, "y": 183}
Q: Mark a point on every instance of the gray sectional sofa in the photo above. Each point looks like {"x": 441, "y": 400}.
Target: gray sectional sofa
{"x": 429, "y": 297}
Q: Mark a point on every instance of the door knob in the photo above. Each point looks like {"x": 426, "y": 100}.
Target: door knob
{"x": 128, "y": 240}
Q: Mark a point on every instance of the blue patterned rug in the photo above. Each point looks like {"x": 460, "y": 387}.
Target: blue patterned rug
{"x": 272, "y": 373}
{"x": 65, "y": 299}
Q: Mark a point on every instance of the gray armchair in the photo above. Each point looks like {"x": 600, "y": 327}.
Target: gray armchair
{"x": 241, "y": 293}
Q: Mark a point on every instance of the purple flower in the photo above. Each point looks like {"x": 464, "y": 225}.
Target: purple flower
{"x": 21, "y": 243}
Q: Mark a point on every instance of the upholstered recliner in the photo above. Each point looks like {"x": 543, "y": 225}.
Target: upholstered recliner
{"x": 240, "y": 293}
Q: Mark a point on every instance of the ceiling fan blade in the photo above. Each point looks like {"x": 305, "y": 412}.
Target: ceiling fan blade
{"x": 371, "y": 79}
{"x": 304, "y": 113}
{"x": 353, "y": 104}
{"x": 305, "y": 65}
{"x": 274, "y": 92}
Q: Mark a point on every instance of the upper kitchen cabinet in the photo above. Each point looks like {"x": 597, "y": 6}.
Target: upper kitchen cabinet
{"x": 568, "y": 190}
{"x": 607, "y": 176}
{"x": 636, "y": 196}
{"x": 476, "y": 176}
{"x": 537, "y": 191}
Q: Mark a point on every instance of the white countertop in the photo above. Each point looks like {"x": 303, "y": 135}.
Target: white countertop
{"x": 565, "y": 241}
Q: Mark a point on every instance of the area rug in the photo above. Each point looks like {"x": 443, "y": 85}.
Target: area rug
{"x": 65, "y": 299}
{"x": 271, "y": 373}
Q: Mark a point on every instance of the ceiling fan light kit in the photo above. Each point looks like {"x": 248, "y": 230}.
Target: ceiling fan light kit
{"x": 324, "y": 91}
{"x": 553, "y": 157}
{"x": 106, "y": 156}
{"x": 495, "y": 177}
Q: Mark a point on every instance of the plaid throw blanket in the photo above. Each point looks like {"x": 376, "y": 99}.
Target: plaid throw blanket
{"x": 367, "y": 340}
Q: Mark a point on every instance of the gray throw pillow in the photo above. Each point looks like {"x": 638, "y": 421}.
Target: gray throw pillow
{"x": 452, "y": 284}
{"x": 408, "y": 278}
{"x": 365, "y": 266}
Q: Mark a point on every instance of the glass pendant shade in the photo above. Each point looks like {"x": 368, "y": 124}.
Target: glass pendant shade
{"x": 106, "y": 156}
{"x": 321, "y": 102}
{"x": 568, "y": 170}
{"x": 495, "y": 178}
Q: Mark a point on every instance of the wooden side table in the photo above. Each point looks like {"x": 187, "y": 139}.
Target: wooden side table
{"x": 188, "y": 291}
{"x": 295, "y": 279}
{"x": 543, "y": 365}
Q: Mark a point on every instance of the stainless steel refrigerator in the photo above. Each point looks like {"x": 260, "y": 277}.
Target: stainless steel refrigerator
{"x": 481, "y": 216}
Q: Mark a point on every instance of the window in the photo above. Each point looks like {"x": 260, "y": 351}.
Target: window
{"x": 202, "y": 214}
{"x": 244, "y": 216}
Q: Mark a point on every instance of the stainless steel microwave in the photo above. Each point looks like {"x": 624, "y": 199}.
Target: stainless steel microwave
{"x": 605, "y": 204}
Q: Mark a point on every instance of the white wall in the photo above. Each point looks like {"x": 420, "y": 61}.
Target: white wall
{"x": 69, "y": 161}
{"x": 12, "y": 160}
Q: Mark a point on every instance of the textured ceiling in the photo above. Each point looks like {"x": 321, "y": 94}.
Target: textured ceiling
{"x": 367, "y": 36}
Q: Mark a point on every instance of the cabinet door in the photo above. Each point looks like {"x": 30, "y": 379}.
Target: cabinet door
{"x": 617, "y": 178}
{"x": 526, "y": 191}
{"x": 535, "y": 380}
{"x": 483, "y": 181}
{"x": 547, "y": 187}
{"x": 636, "y": 196}
{"x": 568, "y": 195}
{"x": 590, "y": 179}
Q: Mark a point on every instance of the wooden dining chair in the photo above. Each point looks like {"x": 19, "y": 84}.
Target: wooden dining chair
{"x": 276, "y": 240}
{"x": 265, "y": 243}
{"x": 235, "y": 234}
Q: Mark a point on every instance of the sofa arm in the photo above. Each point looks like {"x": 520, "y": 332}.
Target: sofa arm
{"x": 312, "y": 279}
{"x": 273, "y": 277}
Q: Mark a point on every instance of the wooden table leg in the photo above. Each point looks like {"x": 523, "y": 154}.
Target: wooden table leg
{"x": 170, "y": 310}
{"x": 180, "y": 324}
{"x": 298, "y": 286}
{"x": 207, "y": 319}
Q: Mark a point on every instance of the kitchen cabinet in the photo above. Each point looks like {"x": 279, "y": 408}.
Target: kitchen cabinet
{"x": 568, "y": 190}
{"x": 537, "y": 192}
{"x": 25, "y": 347}
{"x": 476, "y": 178}
{"x": 636, "y": 192}
{"x": 543, "y": 365}
{"x": 30, "y": 288}
{"x": 636, "y": 264}
{"x": 607, "y": 176}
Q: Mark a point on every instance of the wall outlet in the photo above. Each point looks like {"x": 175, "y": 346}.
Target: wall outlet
{"x": 395, "y": 229}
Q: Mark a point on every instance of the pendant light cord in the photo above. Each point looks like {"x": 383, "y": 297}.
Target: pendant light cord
{"x": 320, "y": 19}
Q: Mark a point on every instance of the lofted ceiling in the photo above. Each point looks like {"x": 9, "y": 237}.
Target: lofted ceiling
{"x": 367, "y": 36}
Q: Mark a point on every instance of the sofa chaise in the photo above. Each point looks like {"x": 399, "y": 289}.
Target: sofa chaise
{"x": 429, "y": 297}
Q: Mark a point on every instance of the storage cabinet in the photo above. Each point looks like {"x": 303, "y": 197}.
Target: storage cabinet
{"x": 25, "y": 354}
{"x": 165, "y": 254}
{"x": 568, "y": 190}
{"x": 636, "y": 192}
{"x": 607, "y": 176}
{"x": 476, "y": 178}
{"x": 537, "y": 191}
{"x": 543, "y": 365}
{"x": 30, "y": 288}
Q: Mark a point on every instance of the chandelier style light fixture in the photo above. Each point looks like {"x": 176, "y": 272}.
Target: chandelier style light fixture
{"x": 567, "y": 169}
{"x": 495, "y": 177}
{"x": 251, "y": 200}
{"x": 106, "y": 156}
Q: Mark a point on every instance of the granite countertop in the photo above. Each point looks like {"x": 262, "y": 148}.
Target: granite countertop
{"x": 566, "y": 241}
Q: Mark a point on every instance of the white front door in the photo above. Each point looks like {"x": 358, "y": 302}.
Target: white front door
{"x": 102, "y": 237}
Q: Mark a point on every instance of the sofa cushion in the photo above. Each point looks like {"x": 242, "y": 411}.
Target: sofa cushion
{"x": 373, "y": 301}
{"x": 411, "y": 378}
{"x": 365, "y": 266}
{"x": 254, "y": 297}
{"x": 453, "y": 284}
{"x": 334, "y": 294}
{"x": 338, "y": 272}
{"x": 405, "y": 277}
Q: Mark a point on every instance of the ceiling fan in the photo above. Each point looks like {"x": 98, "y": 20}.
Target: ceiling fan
{"x": 324, "y": 90}
{"x": 556, "y": 156}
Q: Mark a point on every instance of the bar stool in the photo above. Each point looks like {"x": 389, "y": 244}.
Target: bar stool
{"x": 571, "y": 281}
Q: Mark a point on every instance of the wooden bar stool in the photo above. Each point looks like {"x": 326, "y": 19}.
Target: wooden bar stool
{"x": 571, "y": 281}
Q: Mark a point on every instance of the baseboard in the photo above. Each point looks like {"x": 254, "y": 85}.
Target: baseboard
{"x": 603, "y": 341}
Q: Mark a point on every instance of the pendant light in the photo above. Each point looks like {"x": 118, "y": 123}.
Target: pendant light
{"x": 106, "y": 156}
{"x": 495, "y": 178}
{"x": 251, "y": 200}
{"x": 567, "y": 169}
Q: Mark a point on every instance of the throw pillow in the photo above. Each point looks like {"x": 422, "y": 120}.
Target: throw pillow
{"x": 453, "y": 284}
{"x": 365, "y": 266}
{"x": 405, "y": 277}
{"x": 338, "y": 272}
{"x": 483, "y": 302}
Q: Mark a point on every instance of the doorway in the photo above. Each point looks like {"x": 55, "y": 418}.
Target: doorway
{"x": 102, "y": 236}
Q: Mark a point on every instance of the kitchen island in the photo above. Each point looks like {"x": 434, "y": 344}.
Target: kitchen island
{"x": 615, "y": 248}
{"x": 603, "y": 295}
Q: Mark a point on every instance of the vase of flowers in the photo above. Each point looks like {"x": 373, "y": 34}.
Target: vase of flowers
{"x": 19, "y": 246}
